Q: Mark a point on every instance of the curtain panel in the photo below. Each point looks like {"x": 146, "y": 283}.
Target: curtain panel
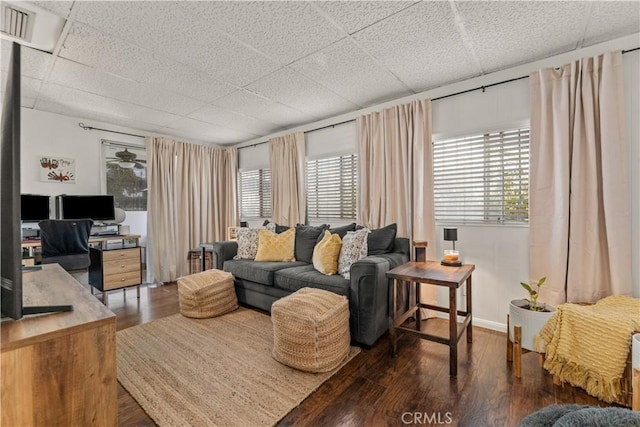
{"x": 579, "y": 195}
{"x": 288, "y": 179}
{"x": 192, "y": 200}
{"x": 396, "y": 174}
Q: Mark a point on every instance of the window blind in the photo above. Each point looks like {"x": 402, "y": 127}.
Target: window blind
{"x": 255, "y": 194}
{"x": 332, "y": 188}
{"x": 482, "y": 178}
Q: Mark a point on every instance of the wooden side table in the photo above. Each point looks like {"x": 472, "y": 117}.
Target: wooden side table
{"x": 434, "y": 273}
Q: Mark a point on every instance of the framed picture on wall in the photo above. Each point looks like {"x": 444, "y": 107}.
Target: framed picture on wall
{"x": 57, "y": 169}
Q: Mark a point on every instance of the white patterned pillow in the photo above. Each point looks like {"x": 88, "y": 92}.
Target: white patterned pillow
{"x": 354, "y": 248}
{"x": 247, "y": 243}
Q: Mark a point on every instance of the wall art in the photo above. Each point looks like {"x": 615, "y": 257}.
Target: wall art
{"x": 57, "y": 169}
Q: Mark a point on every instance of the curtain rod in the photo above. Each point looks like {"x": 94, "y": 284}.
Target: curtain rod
{"x": 483, "y": 88}
{"x": 83, "y": 126}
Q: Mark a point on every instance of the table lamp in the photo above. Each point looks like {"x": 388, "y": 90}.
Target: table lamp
{"x": 451, "y": 256}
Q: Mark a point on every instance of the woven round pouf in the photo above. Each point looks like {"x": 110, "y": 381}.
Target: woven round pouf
{"x": 207, "y": 294}
{"x": 311, "y": 330}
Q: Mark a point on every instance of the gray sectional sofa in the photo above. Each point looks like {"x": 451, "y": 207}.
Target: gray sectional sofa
{"x": 259, "y": 284}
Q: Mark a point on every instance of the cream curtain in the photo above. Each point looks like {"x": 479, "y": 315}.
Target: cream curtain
{"x": 192, "y": 199}
{"x": 396, "y": 174}
{"x": 579, "y": 199}
{"x": 288, "y": 179}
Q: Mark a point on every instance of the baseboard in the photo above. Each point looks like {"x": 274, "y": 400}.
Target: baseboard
{"x": 482, "y": 323}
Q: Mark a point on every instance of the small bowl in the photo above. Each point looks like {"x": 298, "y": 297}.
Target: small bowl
{"x": 451, "y": 256}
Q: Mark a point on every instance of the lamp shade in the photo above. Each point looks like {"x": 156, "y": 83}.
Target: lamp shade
{"x": 450, "y": 234}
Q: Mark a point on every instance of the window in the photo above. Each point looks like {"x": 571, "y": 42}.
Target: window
{"x": 126, "y": 175}
{"x": 482, "y": 178}
{"x": 332, "y": 188}
{"x": 255, "y": 194}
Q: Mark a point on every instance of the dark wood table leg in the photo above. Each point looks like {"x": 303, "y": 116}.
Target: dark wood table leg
{"x": 470, "y": 326}
{"x": 203, "y": 252}
{"x": 453, "y": 332}
{"x": 419, "y": 312}
{"x": 392, "y": 323}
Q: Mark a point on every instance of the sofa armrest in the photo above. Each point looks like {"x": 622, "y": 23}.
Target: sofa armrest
{"x": 369, "y": 296}
{"x": 222, "y": 251}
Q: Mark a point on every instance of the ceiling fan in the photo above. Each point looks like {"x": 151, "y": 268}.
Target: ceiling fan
{"x": 127, "y": 160}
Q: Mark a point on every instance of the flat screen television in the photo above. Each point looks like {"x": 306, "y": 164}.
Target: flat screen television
{"x": 34, "y": 207}
{"x": 97, "y": 208}
{"x": 10, "y": 204}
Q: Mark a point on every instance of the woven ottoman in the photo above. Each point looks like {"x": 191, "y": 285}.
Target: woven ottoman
{"x": 207, "y": 294}
{"x": 311, "y": 330}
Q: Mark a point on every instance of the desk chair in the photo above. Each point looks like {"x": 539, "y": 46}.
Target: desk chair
{"x": 66, "y": 242}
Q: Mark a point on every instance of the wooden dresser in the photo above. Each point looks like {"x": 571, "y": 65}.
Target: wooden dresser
{"x": 59, "y": 369}
{"x": 115, "y": 269}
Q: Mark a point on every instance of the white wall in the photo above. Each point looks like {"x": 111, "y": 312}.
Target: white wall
{"x": 52, "y": 134}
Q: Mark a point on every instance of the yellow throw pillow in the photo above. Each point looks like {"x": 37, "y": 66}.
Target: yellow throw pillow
{"x": 326, "y": 254}
{"x": 276, "y": 247}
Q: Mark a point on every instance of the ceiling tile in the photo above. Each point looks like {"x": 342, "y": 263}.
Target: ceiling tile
{"x": 79, "y": 100}
{"x": 420, "y": 45}
{"x": 610, "y": 20}
{"x": 344, "y": 68}
{"x": 283, "y": 30}
{"x": 77, "y": 76}
{"x": 206, "y": 132}
{"x": 509, "y": 33}
{"x": 291, "y": 88}
{"x": 356, "y": 15}
{"x": 231, "y": 120}
{"x": 254, "y": 106}
{"x": 60, "y": 8}
{"x": 88, "y": 46}
{"x": 167, "y": 29}
{"x": 33, "y": 62}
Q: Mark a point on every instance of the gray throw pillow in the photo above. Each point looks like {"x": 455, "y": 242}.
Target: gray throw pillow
{"x": 276, "y": 228}
{"x": 340, "y": 231}
{"x": 382, "y": 240}
{"x": 306, "y": 238}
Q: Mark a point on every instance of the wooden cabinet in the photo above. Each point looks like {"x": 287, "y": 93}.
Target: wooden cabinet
{"x": 59, "y": 369}
{"x": 115, "y": 269}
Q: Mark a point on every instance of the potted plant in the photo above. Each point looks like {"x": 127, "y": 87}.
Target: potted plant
{"x": 530, "y": 314}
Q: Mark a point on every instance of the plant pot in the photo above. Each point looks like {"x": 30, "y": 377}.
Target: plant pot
{"x": 530, "y": 321}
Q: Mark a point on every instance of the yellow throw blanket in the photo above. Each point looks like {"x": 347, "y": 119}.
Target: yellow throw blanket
{"x": 587, "y": 346}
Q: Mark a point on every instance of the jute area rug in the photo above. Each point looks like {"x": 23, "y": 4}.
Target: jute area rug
{"x": 211, "y": 372}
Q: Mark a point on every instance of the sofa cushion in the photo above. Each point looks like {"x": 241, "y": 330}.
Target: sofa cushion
{"x": 354, "y": 248}
{"x": 247, "y": 243}
{"x": 259, "y": 272}
{"x": 306, "y": 239}
{"x": 381, "y": 240}
{"x": 296, "y": 278}
{"x": 326, "y": 253}
{"x": 272, "y": 226}
{"x": 276, "y": 247}
{"x": 340, "y": 231}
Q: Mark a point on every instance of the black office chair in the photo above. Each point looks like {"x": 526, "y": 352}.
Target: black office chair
{"x": 66, "y": 242}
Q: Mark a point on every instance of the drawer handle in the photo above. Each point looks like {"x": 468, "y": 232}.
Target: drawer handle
{"x": 122, "y": 280}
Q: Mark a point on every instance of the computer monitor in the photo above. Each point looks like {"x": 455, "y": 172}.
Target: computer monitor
{"x": 34, "y": 207}
{"x": 97, "y": 207}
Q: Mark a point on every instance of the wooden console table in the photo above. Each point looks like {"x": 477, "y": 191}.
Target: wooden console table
{"x": 432, "y": 272}
{"x": 59, "y": 368}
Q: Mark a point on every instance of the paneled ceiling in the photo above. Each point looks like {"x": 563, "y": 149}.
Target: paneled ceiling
{"x": 227, "y": 72}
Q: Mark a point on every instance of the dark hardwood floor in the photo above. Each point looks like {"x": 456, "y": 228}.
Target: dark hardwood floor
{"x": 374, "y": 389}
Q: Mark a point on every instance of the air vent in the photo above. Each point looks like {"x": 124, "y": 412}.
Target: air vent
{"x": 16, "y": 23}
